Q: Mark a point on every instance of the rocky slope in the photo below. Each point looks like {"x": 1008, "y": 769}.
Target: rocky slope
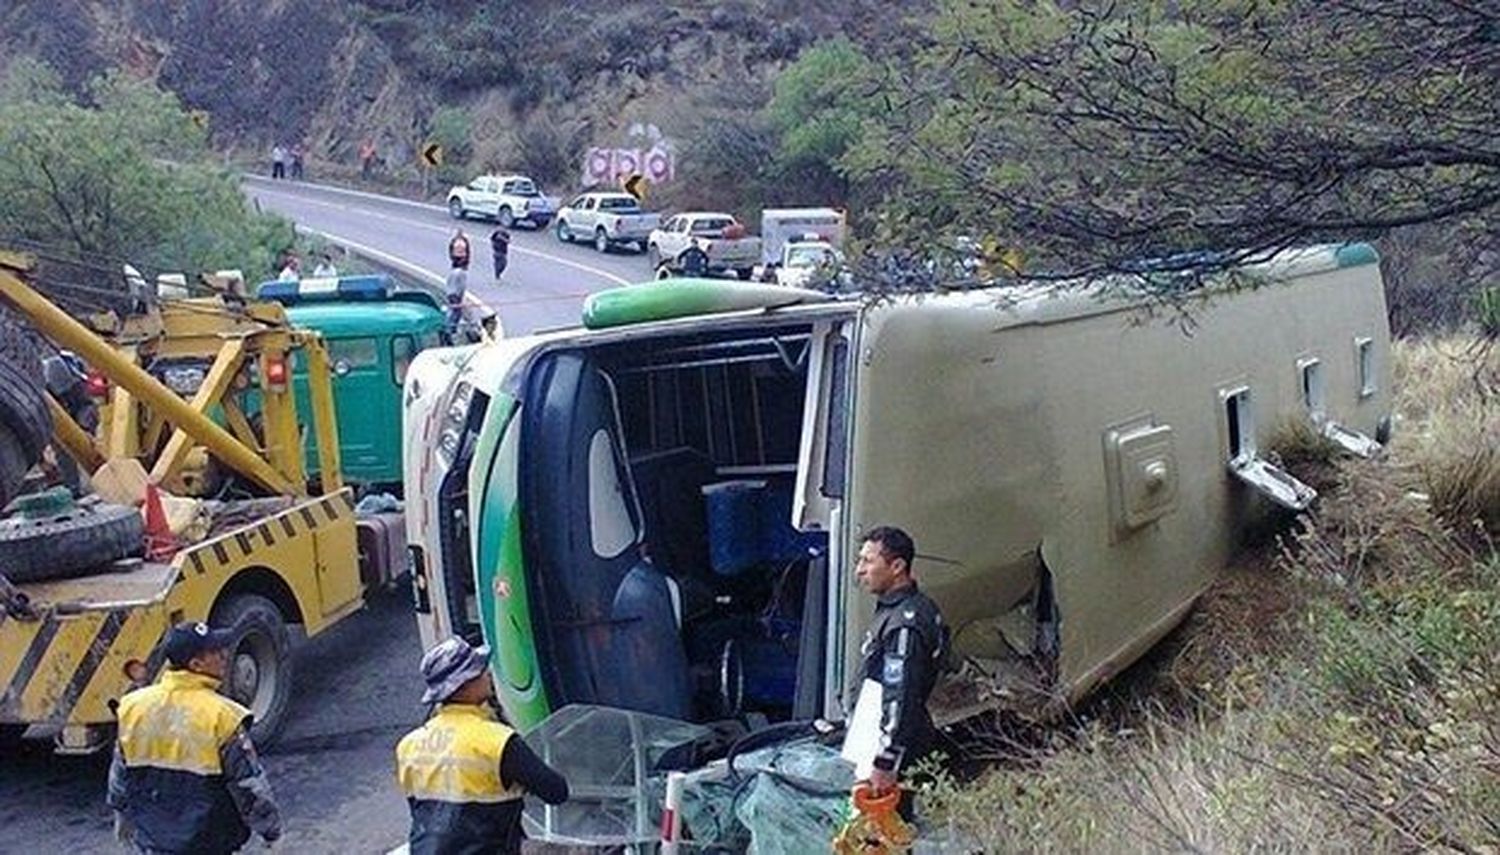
{"x": 534, "y": 83}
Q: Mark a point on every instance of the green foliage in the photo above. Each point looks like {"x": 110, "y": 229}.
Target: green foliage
{"x": 129, "y": 177}
{"x": 452, "y": 129}
{"x": 1487, "y": 305}
{"x": 1092, "y": 136}
{"x": 818, "y": 109}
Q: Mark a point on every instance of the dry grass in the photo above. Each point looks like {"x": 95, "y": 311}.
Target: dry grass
{"x": 1339, "y": 692}
{"x": 1448, "y": 426}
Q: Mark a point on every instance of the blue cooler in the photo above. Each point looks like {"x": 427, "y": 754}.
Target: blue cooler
{"x": 782, "y": 541}
{"x": 735, "y": 542}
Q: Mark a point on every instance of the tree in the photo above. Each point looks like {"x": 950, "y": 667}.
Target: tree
{"x": 1199, "y": 134}
{"x": 128, "y": 177}
{"x": 818, "y": 108}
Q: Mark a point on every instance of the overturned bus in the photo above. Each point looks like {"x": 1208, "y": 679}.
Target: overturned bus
{"x": 659, "y": 510}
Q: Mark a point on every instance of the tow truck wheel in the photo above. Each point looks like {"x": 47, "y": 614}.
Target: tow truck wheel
{"x": 260, "y": 662}
{"x": 72, "y": 541}
{"x": 25, "y": 422}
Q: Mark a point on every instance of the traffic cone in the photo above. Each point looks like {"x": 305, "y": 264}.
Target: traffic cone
{"x": 160, "y": 542}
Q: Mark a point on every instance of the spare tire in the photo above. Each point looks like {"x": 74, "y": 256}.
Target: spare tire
{"x": 25, "y": 418}
{"x": 69, "y": 544}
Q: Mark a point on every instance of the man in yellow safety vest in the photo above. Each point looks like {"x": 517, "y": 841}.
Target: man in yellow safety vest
{"x": 464, "y": 771}
{"x": 185, "y": 777}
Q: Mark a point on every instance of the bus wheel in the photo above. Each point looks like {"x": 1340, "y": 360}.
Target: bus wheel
{"x": 260, "y": 662}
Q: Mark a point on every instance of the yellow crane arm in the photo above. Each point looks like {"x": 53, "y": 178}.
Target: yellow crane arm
{"x": 67, "y": 332}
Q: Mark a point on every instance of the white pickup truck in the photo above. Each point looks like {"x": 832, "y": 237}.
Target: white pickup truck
{"x": 802, "y": 248}
{"x": 508, "y": 199}
{"x": 730, "y": 249}
{"x": 607, "y": 220}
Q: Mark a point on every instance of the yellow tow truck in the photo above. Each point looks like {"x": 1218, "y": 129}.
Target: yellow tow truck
{"x": 274, "y": 552}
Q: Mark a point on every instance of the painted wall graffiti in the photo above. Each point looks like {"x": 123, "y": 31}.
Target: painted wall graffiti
{"x": 654, "y": 158}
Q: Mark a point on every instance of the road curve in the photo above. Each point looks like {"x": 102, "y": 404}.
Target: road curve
{"x": 544, "y": 283}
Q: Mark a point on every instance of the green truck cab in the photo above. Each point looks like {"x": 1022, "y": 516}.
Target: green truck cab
{"x": 372, "y": 332}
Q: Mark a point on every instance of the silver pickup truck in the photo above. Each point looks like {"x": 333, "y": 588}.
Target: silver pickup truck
{"x": 607, "y": 220}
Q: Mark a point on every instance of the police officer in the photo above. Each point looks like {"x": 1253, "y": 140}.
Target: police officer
{"x": 464, "y": 771}
{"x": 185, "y": 777}
{"x": 903, "y": 652}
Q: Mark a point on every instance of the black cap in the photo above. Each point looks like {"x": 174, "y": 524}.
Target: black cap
{"x": 186, "y": 640}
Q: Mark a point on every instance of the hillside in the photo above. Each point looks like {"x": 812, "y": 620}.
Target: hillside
{"x": 506, "y": 85}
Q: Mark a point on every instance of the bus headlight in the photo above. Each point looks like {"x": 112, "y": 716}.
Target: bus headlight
{"x": 454, "y": 420}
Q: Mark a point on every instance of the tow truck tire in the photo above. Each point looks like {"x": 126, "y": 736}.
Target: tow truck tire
{"x": 260, "y": 661}
{"x": 14, "y": 464}
{"x": 24, "y": 418}
{"x": 70, "y": 544}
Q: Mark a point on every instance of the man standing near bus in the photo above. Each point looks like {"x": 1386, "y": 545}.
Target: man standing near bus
{"x": 903, "y": 653}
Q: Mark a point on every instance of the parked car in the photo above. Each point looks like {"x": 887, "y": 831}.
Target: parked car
{"x": 508, "y": 199}
{"x": 812, "y": 264}
{"x": 730, "y": 248}
{"x": 608, "y": 220}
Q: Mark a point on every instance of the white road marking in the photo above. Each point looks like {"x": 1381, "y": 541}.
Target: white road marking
{"x": 566, "y": 262}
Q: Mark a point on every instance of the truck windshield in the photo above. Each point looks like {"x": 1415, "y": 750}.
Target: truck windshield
{"x": 808, "y": 256}
{"x": 712, "y": 226}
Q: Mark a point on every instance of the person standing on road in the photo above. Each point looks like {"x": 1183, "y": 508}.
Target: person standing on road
{"x": 458, "y": 250}
{"x": 185, "y": 776}
{"x": 903, "y": 652}
{"x": 325, "y": 268}
{"x": 500, "y": 249}
{"x": 292, "y": 272}
{"x": 278, "y": 161}
{"x": 298, "y": 154}
{"x": 464, "y": 772}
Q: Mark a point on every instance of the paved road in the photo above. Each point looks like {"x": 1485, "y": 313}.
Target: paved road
{"x": 544, "y": 284}
{"x": 356, "y": 685}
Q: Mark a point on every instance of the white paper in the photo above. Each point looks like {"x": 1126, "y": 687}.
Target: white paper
{"x": 862, "y": 738}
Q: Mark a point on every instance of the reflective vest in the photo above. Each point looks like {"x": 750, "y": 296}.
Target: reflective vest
{"x": 449, "y": 770}
{"x": 170, "y": 737}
